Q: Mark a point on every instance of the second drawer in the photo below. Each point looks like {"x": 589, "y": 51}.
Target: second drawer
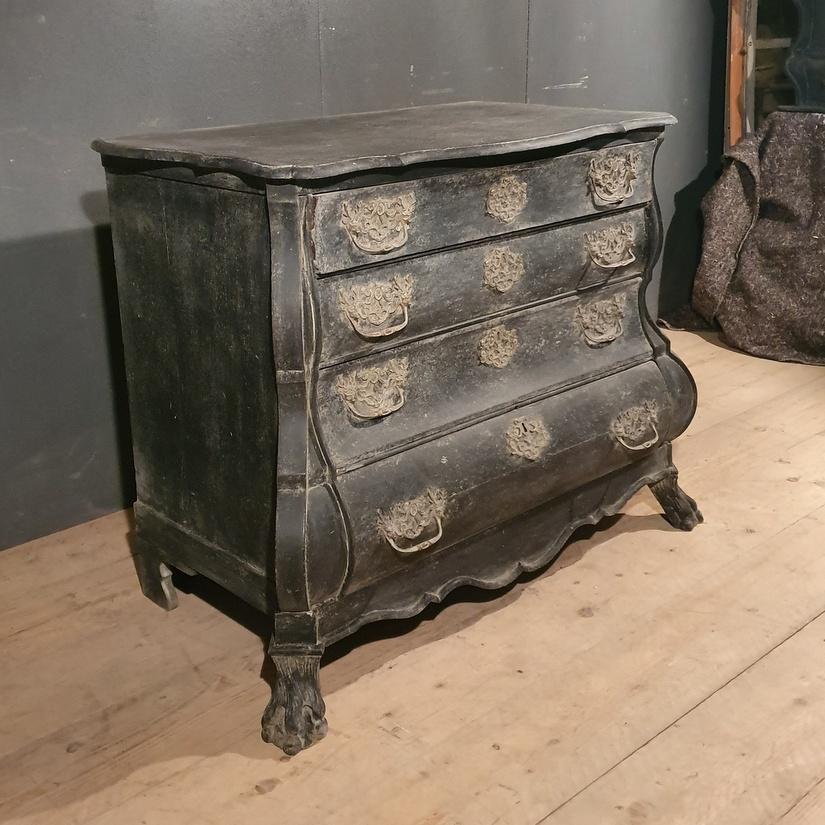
{"x": 371, "y": 310}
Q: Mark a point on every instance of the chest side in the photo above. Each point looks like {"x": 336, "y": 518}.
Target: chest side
{"x": 193, "y": 268}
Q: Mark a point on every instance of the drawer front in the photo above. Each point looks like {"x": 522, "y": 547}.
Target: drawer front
{"x": 361, "y": 226}
{"x": 369, "y": 310}
{"x": 405, "y": 508}
{"x": 375, "y": 404}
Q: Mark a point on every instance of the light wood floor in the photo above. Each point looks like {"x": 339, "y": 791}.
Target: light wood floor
{"x": 649, "y": 676}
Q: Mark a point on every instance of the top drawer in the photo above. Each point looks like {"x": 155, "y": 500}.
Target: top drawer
{"x": 362, "y": 226}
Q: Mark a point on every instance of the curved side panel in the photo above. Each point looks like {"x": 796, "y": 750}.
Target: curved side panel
{"x": 289, "y": 346}
{"x": 680, "y": 383}
{"x": 661, "y": 346}
{"x": 327, "y": 554}
{"x": 310, "y": 532}
{"x": 326, "y": 545}
{"x": 682, "y": 391}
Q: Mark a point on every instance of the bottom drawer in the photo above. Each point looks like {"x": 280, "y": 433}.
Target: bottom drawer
{"x": 407, "y": 508}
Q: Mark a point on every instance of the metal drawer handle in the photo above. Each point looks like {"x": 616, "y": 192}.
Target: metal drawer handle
{"x": 385, "y": 332}
{"x": 643, "y": 446}
{"x": 612, "y": 248}
{"x": 612, "y": 177}
{"x": 633, "y": 424}
{"x": 601, "y": 322}
{"x": 378, "y": 225}
{"x": 422, "y": 545}
{"x": 412, "y": 519}
{"x": 374, "y": 392}
{"x": 368, "y": 307}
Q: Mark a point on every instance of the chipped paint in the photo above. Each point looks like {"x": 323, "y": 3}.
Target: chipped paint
{"x": 581, "y": 83}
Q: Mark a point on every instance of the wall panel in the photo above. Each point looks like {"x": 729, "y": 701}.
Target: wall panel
{"x": 379, "y": 55}
{"x": 70, "y": 72}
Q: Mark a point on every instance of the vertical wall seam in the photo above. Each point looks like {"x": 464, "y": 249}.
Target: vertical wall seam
{"x": 527, "y": 56}
{"x": 320, "y": 58}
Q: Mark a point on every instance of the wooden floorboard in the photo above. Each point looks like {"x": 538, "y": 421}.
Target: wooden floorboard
{"x": 649, "y": 676}
{"x": 744, "y": 755}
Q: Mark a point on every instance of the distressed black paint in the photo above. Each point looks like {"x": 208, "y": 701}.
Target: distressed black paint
{"x": 336, "y": 494}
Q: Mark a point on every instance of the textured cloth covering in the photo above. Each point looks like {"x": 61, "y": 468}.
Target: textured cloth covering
{"x": 762, "y": 273}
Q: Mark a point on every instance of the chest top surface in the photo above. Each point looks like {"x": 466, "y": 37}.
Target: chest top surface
{"x": 344, "y": 144}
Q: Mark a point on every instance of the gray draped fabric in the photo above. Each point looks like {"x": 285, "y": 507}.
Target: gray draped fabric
{"x": 762, "y": 273}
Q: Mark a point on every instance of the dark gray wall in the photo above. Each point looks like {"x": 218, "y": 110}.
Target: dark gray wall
{"x": 70, "y": 72}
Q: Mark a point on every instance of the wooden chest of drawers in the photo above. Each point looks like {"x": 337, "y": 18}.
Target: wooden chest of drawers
{"x": 375, "y": 357}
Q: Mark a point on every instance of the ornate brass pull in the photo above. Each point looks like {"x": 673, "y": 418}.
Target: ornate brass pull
{"x": 527, "y": 438}
{"x": 506, "y": 198}
{"x": 612, "y": 248}
{"x": 633, "y": 424}
{"x": 411, "y": 519}
{"x": 497, "y": 347}
{"x": 601, "y": 321}
{"x": 612, "y": 176}
{"x": 368, "y": 307}
{"x": 373, "y": 392}
{"x": 378, "y": 225}
{"x": 503, "y": 268}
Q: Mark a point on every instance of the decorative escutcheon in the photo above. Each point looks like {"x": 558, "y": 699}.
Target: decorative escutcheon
{"x": 612, "y": 248}
{"x": 497, "y": 347}
{"x": 503, "y": 268}
{"x": 373, "y": 392}
{"x": 378, "y": 225}
{"x": 601, "y": 321}
{"x": 527, "y": 438}
{"x": 408, "y": 521}
{"x": 373, "y": 309}
{"x": 612, "y": 176}
{"x": 635, "y": 428}
{"x": 506, "y": 198}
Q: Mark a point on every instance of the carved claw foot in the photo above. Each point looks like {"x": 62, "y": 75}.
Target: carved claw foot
{"x": 294, "y": 718}
{"x": 680, "y": 509}
{"x": 155, "y": 580}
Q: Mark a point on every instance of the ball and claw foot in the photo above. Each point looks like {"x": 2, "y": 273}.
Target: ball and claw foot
{"x": 680, "y": 509}
{"x": 294, "y": 718}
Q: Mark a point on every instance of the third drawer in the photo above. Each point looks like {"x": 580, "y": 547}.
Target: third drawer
{"x": 380, "y": 403}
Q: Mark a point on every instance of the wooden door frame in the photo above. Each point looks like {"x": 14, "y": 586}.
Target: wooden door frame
{"x": 739, "y": 96}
